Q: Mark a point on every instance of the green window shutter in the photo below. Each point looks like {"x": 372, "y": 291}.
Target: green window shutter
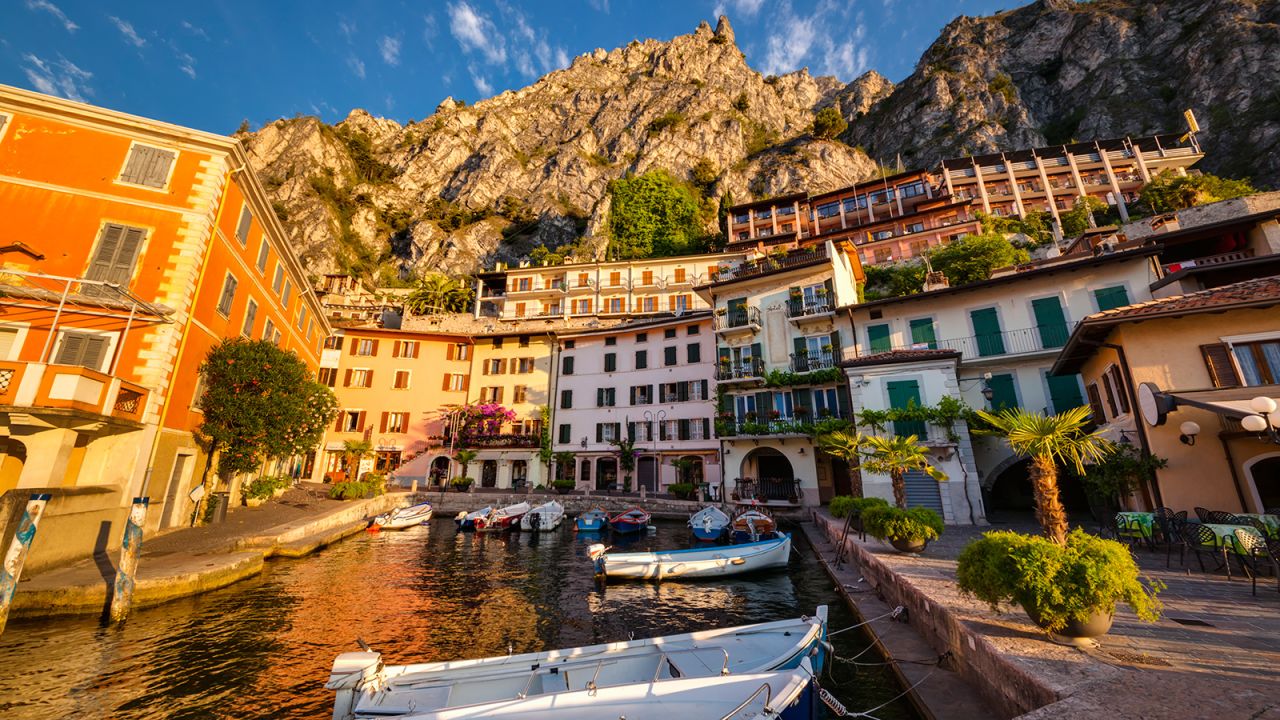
{"x": 610, "y": 362}
{"x": 642, "y": 359}
{"x": 682, "y": 428}
{"x": 800, "y": 359}
{"x": 599, "y": 432}
{"x": 724, "y": 354}
{"x": 1051, "y": 323}
{"x": 1003, "y": 394}
{"x": 565, "y": 431}
{"x": 904, "y": 394}
{"x": 566, "y": 399}
{"x": 568, "y": 365}
{"x": 803, "y": 398}
{"x": 986, "y": 330}
{"x": 706, "y": 428}
{"x": 834, "y": 341}
{"x": 631, "y": 431}
{"x": 757, "y": 353}
{"x": 1112, "y": 297}
{"x": 599, "y": 397}
{"x": 726, "y": 403}
{"x": 1064, "y": 392}
{"x": 694, "y": 353}
{"x": 922, "y": 333}
{"x": 878, "y": 338}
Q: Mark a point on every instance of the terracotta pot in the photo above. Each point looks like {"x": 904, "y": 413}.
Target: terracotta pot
{"x": 913, "y": 545}
{"x": 1076, "y": 632}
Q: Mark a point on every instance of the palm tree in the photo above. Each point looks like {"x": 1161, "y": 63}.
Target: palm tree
{"x": 465, "y": 458}
{"x": 356, "y": 450}
{"x": 845, "y": 446}
{"x": 894, "y": 456}
{"x": 438, "y": 293}
{"x": 1049, "y": 440}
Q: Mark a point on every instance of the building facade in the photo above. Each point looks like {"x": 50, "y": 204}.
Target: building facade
{"x": 513, "y": 371}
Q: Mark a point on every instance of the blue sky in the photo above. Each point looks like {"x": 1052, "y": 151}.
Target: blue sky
{"x": 210, "y": 64}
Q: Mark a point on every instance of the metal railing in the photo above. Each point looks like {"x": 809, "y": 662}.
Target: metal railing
{"x": 1041, "y": 338}
{"x": 1219, "y": 259}
{"x": 746, "y": 369}
{"x": 765, "y": 489}
{"x": 504, "y": 440}
{"x": 808, "y": 362}
{"x": 795, "y": 258}
{"x": 746, "y": 316}
{"x": 799, "y": 424}
{"x": 800, "y": 307}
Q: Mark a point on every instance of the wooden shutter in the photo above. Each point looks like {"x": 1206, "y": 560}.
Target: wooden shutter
{"x": 242, "y": 228}
{"x": 355, "y": 345}
{"x": 346, "y": 381}
{"x": 466, "y": 382}
{"x": 835, "y": 346}
{"x": 497, "y": 395}
{"x": 147, "y": 166}
{"x": 633, "y": 395}
{"x": 566, "y": 399}
{"x": 1220, "y": 364}
{"x": 631, "y": 431}
{"x": 337, "y": 426}
{"x": 801, "y": 349}
{"x": 449, "y": 351}
{"x": 382, "y": 423}
{"x": 599, "y": 432}
{"x": 447, "y": 384}
{"x": 115, "y": 257}
{"x": 395, "y": 348}
{"x": 683, "y": 430}
{"x": 1122, "y": 396}
{"x": 702, "y": 385}
{"x": 374, "y": 349}
{"x": 360, "y": 421}
{"x": 706, "y": 428}
{"x": 368, "y": 378}
{"x": 1095, "y": 403}
{"x": 599, "y": 397}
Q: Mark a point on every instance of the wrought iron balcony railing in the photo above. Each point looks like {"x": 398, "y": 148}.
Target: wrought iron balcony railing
{"x": 743, "y": 317}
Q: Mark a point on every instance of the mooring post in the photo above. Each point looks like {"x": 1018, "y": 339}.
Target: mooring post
{"x": 14, "y": 559}
{"x": 122, "y": 597}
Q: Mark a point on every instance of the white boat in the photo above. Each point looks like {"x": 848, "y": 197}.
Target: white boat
{"x": 545, "y": 517}
{"x": 404, "y": 517}
{"x": 718, "y": 561}
{"x": 709, "y": 523}
{"x": 782, "y": 695}
{"x": 507, "y": 518}
{"x": 366, "y": 688}
{"x": 468, "y": 520}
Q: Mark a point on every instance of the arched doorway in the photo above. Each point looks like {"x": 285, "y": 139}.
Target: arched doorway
{"x": 519, "y": 473}
{"x": 690, "y": 470}
{"x": 607, "y": 473}
{"x": 489, "y": 473}
{"x": 440, "y": 470}
{"x": 1265, "y": 474}
{"x": 1010, "y": 490}
{"x": 767, "y": 475}
{"x": 13, "y": 456}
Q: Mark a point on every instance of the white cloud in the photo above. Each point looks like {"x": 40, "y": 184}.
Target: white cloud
{"x": 347, "y": 29}
{"x": 821, "y": 37}
{"x": 59, "y": 77}
{"x": 195, "y": 30}
{"x": 600, "y": 5}
{"x": 476, "y": 32}
{"x": 126, "y": 29}
{"x": 390, "y": 49}
{"x": 533, "y": 53}
{"x": 187, "y": 64}
{"x": 480, "y": 82}
{"x": 356, "y": 65}
{"x": 429, "y": 30}
{"x": 55, "y": 11}
{"x": 743, "y": 8}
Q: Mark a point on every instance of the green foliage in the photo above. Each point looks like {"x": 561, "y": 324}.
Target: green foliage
{"x": 1062, "y": 129}
{"x": 893, "y": 280}
{"x": 1076, "y": 220}
{"x": 786, "y": 378}
{"x": 896, "y": 454}
{"x": 828, "y": 123}
{"x": 886, "y": 522}
{"x": 1003, "y": 86}
{"x": 368, "y": 168}
{"x": 259, "y": 489}
{"x": 244, "y": 127}
{"x": 1037, "y": 225}
{"x": 655, "y": 215}
{"x": 741, "y": 103}
{"x": 666, "y": 121}
{"x": 1054, "y": 583}
{"x": 451, "y": 216}
{"x": 704, "y": 175}
{"x": 438, "y": 293}
{"x": 945, "y": 414}
{"x": 564, "y": 484}
{"x": 844, "y": 505}
{"x": 1169, "y": 191}
{"x": 1120, "y": 472}
{"x": 759, "y": 138}
{"x": 973, "y": 257}
{"x": 684, "y": 491}
{"x": 462, "y": 482}
{"x": 356, "y": 490}
{"x": 280, "y": 210}
{"x": 1058, "y": 439}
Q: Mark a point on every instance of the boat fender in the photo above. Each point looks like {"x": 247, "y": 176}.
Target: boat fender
{"x": 462, "y": 515}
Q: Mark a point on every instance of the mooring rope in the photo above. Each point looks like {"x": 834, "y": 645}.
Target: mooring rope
{"x": 839, "y": 710}
{"x": 894, "y": 613}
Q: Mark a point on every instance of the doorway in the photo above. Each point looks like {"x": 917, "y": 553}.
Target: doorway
{"x": 1266, "y": 481}
{"x": 489, "y": 473}
{"x": 647, "y": 473}
{"x": 607, "y": 473}
{"x": 173, "y": 496}
{"x": 440, "y": 470}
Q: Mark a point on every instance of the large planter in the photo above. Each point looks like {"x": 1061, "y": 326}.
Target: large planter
{"x": 254, "y": 501}
{"x": 914, "y": 546}
{"x": 1077, "y": 632}
{"x": 564, "y": 490}
{"x": 278, "y": 492}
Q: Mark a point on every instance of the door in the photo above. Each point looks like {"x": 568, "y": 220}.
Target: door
{"x": 647, "y": 473}
{"x": 923, "y": 491}
{"x": 173, "y": 496}
{"x": 903, "y": 394}
{"x": 986, "y": 331}
{"x": 1051, "y": 323}
{"x": 489, "y": 473}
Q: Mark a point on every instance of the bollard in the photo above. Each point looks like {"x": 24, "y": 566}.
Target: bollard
{"x": 122, "y": 597}
{"x": 11, "y": 570}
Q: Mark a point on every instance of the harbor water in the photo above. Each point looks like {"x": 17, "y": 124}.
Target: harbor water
{"x": 262, "y": 648}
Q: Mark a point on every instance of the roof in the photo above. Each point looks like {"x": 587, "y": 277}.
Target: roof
{"x": 1146, "y": 144}
{"x": 1256, "y": 293}
{"x": 769, "y": 202}
{"x": 894, "y": 357}
{"x": 642, "y": 324}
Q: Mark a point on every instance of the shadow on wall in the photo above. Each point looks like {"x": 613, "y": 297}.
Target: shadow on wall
{"x": 78, "y": 523}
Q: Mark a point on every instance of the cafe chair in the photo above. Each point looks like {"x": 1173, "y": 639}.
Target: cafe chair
{"x": 1218, "y": 517}
{"x": 1258, "y": 550}
{"x": 1204, "y": 541}
{"x": 1202, "y": 513}
{"x": 1130, "y": 531}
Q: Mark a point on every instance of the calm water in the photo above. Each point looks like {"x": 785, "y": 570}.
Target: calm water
{"x": 263, "y": 647}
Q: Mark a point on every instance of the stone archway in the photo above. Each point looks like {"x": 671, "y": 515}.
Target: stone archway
{"x": 767, "y": 475}
{"x": 439, "y": 472}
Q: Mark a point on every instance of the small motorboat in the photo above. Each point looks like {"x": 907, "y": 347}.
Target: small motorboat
{"x": 545, "y": 517}
{"x": 507, "y": 518}
{"x": 630, "y": 521}
{"x": 701, "y": 562}
{"x": 467, "y": 520}
{"x": 404, "y": 517}
{"x": 366, "y": 688}
{"x": 709, "y": 523}
{"x": 593, "y": 520}
{"x": 753, "y": 525}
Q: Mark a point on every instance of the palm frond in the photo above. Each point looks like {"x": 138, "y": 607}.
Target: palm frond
{"x": 1061, "y": 437}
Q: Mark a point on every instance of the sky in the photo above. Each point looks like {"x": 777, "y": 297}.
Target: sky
{"x": 212, "y": 64}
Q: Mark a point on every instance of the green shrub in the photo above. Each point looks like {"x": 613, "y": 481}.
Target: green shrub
{"x": 890, "y": 523}
{"x": 357, "y": 489}
{"x": 666, "y": 121}
{"x": 462, "y": 483}
{"x": 682, "y": 490}
{"x": 843, "y": 505}
{"x": 564, "y": 484}
{"x": 828, "y": 123}
{"x": 1054, "y": 583}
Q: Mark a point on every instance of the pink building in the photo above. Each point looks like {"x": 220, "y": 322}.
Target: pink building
{"x": 652, "y": 383}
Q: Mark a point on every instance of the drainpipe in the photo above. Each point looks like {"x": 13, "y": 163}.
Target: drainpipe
{"x": 1235, "y": 477}
{"x": 554, "y": 387}
{"x": 1143, "y": 441}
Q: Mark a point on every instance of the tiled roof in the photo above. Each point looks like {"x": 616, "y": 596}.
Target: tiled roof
{"x": 900, "y": 356}
{"x": 1248, "y": 292}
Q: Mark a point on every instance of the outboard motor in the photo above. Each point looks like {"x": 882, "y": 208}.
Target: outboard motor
{"x": 353, "y": 673}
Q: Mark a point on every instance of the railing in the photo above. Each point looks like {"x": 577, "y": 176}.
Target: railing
{"x": 746, "y": 369}
{"x": 795, "y": 258}
{"x": 505, "y": 440}
{"x": 766, "y": 489}
{"x": 739, "y": 318}
{"x": 800, "y": 424}
{"x": 801, "y": 307}
{"x": 1222, "y": 258}
{"x": 808, "y": 362}
{"x": 10, "y": 377}
{"x": 1011, "y": 342}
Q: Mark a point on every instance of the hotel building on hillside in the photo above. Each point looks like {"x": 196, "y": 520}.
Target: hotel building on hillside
{"x": 901, "y": 216}
{"x": 650, "y": 382}
{"x": 136, "y": 246}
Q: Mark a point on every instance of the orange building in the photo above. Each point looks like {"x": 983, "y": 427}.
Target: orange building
{"x": 131, "y": 247}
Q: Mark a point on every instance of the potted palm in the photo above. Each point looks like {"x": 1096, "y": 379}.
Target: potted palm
{"x": 894, "y": 456}
{"x": 463, "y": 458}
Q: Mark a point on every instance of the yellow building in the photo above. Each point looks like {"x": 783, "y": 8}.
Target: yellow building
{"x": 513, "y": 371}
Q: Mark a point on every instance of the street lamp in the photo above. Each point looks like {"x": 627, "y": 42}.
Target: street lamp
{"x": 1265, "y": 419}
{"x": 657, "y": 419}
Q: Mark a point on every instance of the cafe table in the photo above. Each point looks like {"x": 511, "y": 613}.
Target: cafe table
{"x": 1142, "y": 520}
{"x": 1271, "y": 521}
{"x": 1227, "y": 535}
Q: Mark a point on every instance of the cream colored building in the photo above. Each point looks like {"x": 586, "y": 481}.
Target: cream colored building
{"x": 513, "y": 371}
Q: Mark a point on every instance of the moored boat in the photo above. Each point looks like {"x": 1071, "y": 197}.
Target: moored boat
{"x": 507, "y": 518}
{"x": 467, "y": 520}
{"x": 699, "y": 562}
{"x": 629, "y": 521}
{"x": 366, "y": 688}
{"x": 709, "y": 523}
{"x": 545, "y": 517}
{"x": 753, "y": 525}
{"x": 403, "y": 517}
{"x": 593, "y": 520}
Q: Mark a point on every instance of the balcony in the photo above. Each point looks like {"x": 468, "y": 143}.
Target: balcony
{"x": 71, "y": 387}
{"x": 745, "y": 319}
{"x": 749, "y": 369}
{"x": 503, "y": 440}
{"x": 753, "y": 268}
{"x": 767, "y": 490}
{"x": 978, "y": 348}
{"x": 1209, "y": 261}
{"x": 800, "y": 309}
{"x": 808, "y": 362}
{"x": 801, "y": 425}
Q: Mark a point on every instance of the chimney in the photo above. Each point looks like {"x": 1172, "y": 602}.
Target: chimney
{"x": 935, "y": 280}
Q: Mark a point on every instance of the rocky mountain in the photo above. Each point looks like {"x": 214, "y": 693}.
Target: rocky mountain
{"x": 472, "y": 185}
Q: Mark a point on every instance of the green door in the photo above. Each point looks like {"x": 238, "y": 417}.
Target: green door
{"x": 922, "y": 333}
{"x": 1064, "y": 392}
{"x": 1112, "y": 297}
{"x": 1051, "y": 323}
{"x": 878, "y": 338}
{"x": 902, "y": 395}
{"x": 986, "y": 330}
{"x": 1003, "y": 394}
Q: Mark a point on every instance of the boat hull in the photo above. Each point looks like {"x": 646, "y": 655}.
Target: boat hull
{"x": 720, "y": 561}
{"x": 402, "y": 518}
{"x": 543, "y": 518}
{"x": 624, "y": 526}
{"x": 710, "y": 535}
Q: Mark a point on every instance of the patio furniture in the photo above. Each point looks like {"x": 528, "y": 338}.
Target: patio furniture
{"x": 1166, "y": 530}
{"x": 1260, "y": 549}
{"x": 1263, "y": 529}
{"x": 1202, "y": 539}
{"x": 1133, "y": 527}
{"x": 1202, "y": 513}
{"x": 1269, "y": 521}
{"x": 1218, "y": 517}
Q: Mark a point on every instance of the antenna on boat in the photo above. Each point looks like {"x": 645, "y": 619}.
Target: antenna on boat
{"x": 363, "y": 645}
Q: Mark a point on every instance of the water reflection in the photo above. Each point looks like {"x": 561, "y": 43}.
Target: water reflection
{"x": 263, "y": 647}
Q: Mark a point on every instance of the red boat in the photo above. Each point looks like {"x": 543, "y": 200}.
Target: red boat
{"x": 629, "y": 521}
{"x": 507, "y": 518}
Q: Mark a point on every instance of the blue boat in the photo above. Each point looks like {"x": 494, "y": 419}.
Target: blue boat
{"x": 467, "y": 521}
{"x": 630, "y": 521}
{"x": 709, "y": 523}
{"x": 593, "y": 520}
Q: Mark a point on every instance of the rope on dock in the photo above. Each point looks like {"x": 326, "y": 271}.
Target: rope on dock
{"x": 894, "y": 613}
{"x": 840, "y": 710}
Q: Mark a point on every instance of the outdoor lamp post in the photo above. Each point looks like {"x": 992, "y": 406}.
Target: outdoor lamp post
{"x": 650, "y": 417}
{"x": 1266, "y": 420}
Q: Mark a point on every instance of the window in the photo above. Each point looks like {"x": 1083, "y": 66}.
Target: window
{"x": 669, "y": 355}
{"x": 497, "y": 343}
{"x": 606, "y": 397}
{"x": 250, "y": 314}
{"x": 494, "y": 366}
{"x": 566, "y": 399}
{"x": 642, "y": 337}
{"x": 394, "y": 422}
{"x": 1259, "y": 361}
{"x": 365, "y": 346}
{"x": 147, "y": 166}
{"x": 693, "y": 330}
{"x": 457, "y": 351}
{"x": 641, "y": 394}
{"x": 566, "y": 433}
{"x": 351, "y": 421}
{"x": 607, "y": 432}
{"x": 566, "y": 365}
{"x": 519, "y": 393}
{"x": 327, "y": 376}
{"x": 642, "y": 359}
{"x": 228, "y": 295}
{"x": 678, "y": 304}
{"x": 278, "y": 282}
{"x": 1004, "y": 393}
{"x": 828, "y": 210}
{"x": 263, "y": 251}
{"x": 491, "y": 395}
{"x": 1117, "y": 397}
{"x": 333, "y": 342}
{"x": 878, "y": 338}
{"x": 615, "y": 278}
{"x": 582, "y": 307}
{"x": 679, "y": 275}
{"x": 584, "y": 280}
{"x": 919, "y": 247}
{"x": 1095, "y": 403}
{"x": 358, "y": 378}
{"x": 520, "y": 308}
{"x": 922, "y": 334}
{"x": 455, "y": 382}
{"x": 242, "y": 227}
{"x": 523, "y": 341}
{"x": 694, "y": 351}
{"x": 1051, "y": 321}
{"x": 524, "y": 283}
{"x": 610, "y": 341}
{"x": 742, "y": 218}
{"x": 570, "y": 344}
{"x": 669, "y": 333}
{"x": 1111, "y": 297}
{"x": 302, "y": 318}
{"x": 524, "y": 365}
{"x": 764, "y": 214}
{"x": 284, "y": 299}
{"x": 610, "y": 362}
{"x": 87, "y": 350}
{"x": 401, "y": 381}
{"x": 269, "y": 332}
{"x": 915, "y": 227}
{"x": 648, "y": 304}
{"x": 406, "y": 349}
{"x": 115, "y": 257}
{"x": 646, "y": 277}
{"x": 615, "y": 305}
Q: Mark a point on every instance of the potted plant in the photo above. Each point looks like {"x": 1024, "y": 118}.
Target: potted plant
{"x": 682, "y": 490}
{"x": 853, "y": 507}
{"x": 908, "y": 531}
{"x": 1070, "y": 590}
{"x": 462, "y": 484}
{"x": 563, "y": 486}
{"x": 281, "y": 485}
{"x": 258, "y": 491}
{"x": 894, "y": 456}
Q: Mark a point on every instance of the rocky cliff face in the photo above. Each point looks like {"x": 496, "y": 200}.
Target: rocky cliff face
{"x": 473, "y": 185}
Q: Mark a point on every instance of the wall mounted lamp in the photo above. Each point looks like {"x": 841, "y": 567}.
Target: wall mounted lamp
{"x": 1266, "y": 420}
{"x": 1189, "y": 430}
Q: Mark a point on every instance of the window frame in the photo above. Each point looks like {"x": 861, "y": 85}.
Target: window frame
{"x": 234, "y": 282}
{"x": 168, "y": 179}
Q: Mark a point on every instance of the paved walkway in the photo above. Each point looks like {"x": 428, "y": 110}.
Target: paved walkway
{"x": 1215, "y": 653}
